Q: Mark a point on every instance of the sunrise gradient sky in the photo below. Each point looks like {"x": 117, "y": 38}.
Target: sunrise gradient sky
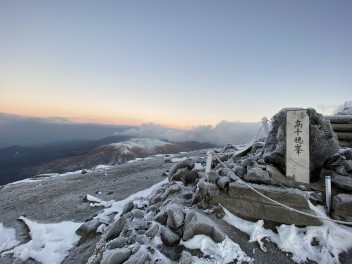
{"x": 175, "y": 63}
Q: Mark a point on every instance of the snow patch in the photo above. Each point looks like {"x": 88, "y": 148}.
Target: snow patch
{"x": 175, "y": 160}
{"x": 142, "y": 143}
{"x": 98, "y": 202}
{"x": 49, "y": 243}
{"x": 7, "y": 238}
{"x": 321, "y": 244}
{"x": 226, "y": 251}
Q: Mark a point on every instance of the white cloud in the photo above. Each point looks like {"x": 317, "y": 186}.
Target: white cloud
{"x": 223, "y": 133}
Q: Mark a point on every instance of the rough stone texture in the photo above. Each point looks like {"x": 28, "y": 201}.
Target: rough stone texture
{"x": 342, "y": 207}
{"x": 198, "y": 224}
{"x": 278, "y": 178}
{"x": 348, "y": 165}
{"x": 341, "y": 170}
{"x": 323, "y": 142}
{"x": 137, "y": 213}
{"x": 342, "y": 182}
{"x": 140, "y": 257}
{"x": 223, "y": 182}
{"x": 183, "y": 164}
{"x": 116, "y": 229}
{"x": 161, "y": 218}
{"x": 205, "y": 190}
{"x": 127, "y": 207}
{"x": 169, "y": 237}
{"x": 116, "y": 256}
{"x": 175, "y": 217}
{"x": 186, "y": 258}
{"x": 244, "y": 202}
{"x": 118, "y": 242}
{"x": 212, "y": 176}
{"x": 257, "y": 175}
{"x": 348, "y": 154}
{"x": 151, "y": 232}
{"x": 88, "y": 230}
{"x": 240, "y": 171}
{"x": 247, "y": 162}
{"x": 184, "y": 175}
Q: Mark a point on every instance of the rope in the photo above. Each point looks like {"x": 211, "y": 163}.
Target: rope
{"x": 276, "y": 202}
{"x": 248, "y": 145}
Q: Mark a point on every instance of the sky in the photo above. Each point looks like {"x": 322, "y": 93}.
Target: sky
{"x": 179, "y": 64}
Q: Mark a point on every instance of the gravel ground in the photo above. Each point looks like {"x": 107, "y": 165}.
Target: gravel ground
{"x": 61, "y": 199}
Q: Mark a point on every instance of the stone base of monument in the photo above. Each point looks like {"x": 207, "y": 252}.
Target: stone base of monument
{"x": 243, "y": 202}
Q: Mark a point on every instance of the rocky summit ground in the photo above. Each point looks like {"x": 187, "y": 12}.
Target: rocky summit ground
{"x": 58, "y": 199}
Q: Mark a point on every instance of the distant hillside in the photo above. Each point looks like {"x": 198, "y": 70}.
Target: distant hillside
{"x": 17, "y": 162}
{"x": 13, "y": 160}
{"x": 116, "y": 153}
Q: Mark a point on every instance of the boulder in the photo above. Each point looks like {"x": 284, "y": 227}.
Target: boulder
{"x": 184, "y": 175}
{"x": 198, "y": 224}
{"x": 342, "y": 207}
{"x": 87, "y": 230}
{"x": 116, "y": 256}
{"x": 223, "y": 182}
{"x": 127, "y": 207}
{"x": 212, "y": 176}
{"x": 186, "y": 258}
{"x": 257, "y": 175}
{"x": 342, "y": 182}
{"x": 151, "y": 232}
{"x": 323, "y": 142}
{"x": 169, "y": 237}
{"x": 118, "y": 242}
{"x": 245, "y": 203}
{"x": 183, "y": 164}
{"x": 115, "y": 229}
{"x": 175, "y": 217}
{"x": 140, "y": 257}
{"x": 161, "y": 218}
{"x": 278, "y": 178}
{"x": 348, "y": 165}
{"x": 137, "y": 213}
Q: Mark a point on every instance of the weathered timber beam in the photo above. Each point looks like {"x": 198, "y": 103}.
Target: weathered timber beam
{"x": 344, "y": 136}
{"x": 344, "y": 143}
{"x": 339, "y": 119}
{"x": 342, "y": 127}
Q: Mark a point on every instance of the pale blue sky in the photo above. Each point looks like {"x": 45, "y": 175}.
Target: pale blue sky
{"x": 175, "y": 63}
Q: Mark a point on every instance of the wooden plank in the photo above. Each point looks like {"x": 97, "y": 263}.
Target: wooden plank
{"x": 339, "y": 119}
{"x": 342, "y": 127}
{"x": 344, "y": 143}
{"x": 344, "y": 136}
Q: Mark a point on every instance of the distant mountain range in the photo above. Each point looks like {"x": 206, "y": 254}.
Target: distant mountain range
{"x": 18, "y": 162}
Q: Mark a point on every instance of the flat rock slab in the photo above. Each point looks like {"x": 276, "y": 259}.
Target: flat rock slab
{"x": 244, "y": 202}
{"x": 342, "y": 207}
{"x": 342, "y": 182}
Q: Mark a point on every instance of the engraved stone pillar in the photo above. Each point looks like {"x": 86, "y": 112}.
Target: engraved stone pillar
{"x": 297, "y": 145}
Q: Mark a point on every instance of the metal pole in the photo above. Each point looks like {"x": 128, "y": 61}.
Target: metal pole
{"x": 328, "y": 193}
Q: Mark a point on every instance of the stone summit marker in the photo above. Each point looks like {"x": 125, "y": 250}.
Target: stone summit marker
{"x": 297, "y": 145}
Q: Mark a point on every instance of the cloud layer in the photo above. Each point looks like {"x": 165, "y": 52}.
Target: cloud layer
{"x": 25, "y": 131}
{"x": 223, "y": 133}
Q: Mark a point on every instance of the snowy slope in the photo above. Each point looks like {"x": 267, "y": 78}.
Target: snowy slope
{"x": 128, "y": 146}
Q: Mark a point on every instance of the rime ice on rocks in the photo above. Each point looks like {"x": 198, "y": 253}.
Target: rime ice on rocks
{"x": 184, "y": 214}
